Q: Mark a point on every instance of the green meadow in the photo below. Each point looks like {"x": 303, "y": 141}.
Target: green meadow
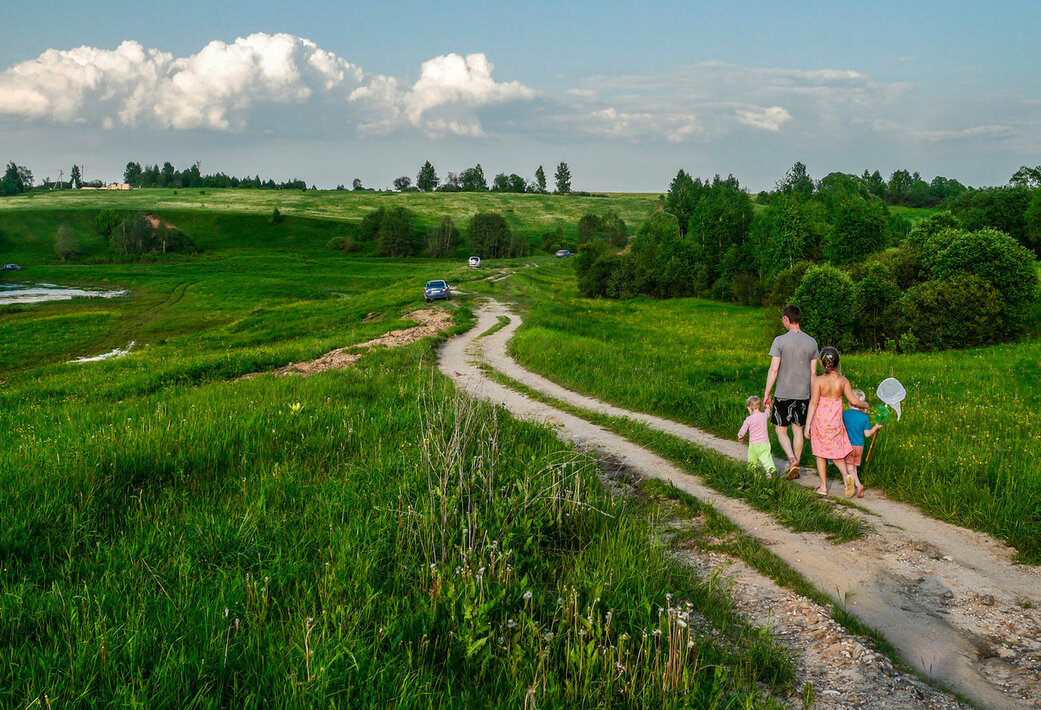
{"x": 175, "y": 535}
{"x": 966, "y": 449}
{"x": 530, "y": 215}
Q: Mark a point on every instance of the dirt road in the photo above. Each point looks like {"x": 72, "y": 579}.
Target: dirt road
{"x": 949, "y": 599}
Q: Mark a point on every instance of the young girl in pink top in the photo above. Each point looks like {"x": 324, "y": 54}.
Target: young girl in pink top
{"x": 824, "y": 420}
{"x": 758, "y": 436}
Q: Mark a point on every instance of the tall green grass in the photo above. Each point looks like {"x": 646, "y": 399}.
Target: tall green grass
{"x": 966, "y": 449}
{"x": 174, "y": 535}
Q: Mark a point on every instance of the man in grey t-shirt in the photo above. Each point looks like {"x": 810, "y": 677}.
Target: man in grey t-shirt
{"x": 793, "y": 368}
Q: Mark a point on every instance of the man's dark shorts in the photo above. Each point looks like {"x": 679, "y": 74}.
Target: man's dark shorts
{"x": 790, "y": 411}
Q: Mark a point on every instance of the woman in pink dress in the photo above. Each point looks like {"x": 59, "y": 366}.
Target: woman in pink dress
{"x": 824, "y": 420}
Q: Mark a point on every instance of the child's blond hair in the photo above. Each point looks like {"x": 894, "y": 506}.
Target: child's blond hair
{"x": 860, "y": 394}
{"x": 754, "y": 403}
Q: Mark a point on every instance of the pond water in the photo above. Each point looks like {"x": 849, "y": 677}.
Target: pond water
{"x": 18, "y": 293}
{"x": 118, "y": 352}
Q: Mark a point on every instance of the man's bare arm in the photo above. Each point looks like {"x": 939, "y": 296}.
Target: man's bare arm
{"x": 771, "y": 379}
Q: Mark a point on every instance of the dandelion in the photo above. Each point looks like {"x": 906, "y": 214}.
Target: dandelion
{"x": 527, "y": 594}
{"x": 548, "y": 636}
{"x": 511, "y": 623}
{"x": 690, "y": 644}
{"x": 681, "y": 623}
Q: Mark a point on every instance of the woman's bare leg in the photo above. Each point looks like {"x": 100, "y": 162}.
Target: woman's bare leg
{"x": 822, "y": 466}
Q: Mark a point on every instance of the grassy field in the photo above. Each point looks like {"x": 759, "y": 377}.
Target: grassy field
{"x": 530, "y": 215}
{"x": 174, "y": 535}
{"x": 966, "y": 449}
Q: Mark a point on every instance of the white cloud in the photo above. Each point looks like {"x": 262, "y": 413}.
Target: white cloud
{"x": 768, "y": 119}
{"x": 134, "y": 87}
{"x": 441, "y": 101}
{"x": 131, "y": 86}
{"x": 227, "y": 86}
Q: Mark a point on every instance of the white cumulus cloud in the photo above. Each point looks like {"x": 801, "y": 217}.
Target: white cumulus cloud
{"x": 131, "y": 86}
{"x": 768, "y": 119}
{"x": 442, "y": 100}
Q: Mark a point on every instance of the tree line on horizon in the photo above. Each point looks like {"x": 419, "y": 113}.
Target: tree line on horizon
{"x": 904, "y": 188}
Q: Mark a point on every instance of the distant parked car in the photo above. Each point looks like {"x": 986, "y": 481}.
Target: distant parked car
{"x": 474, "y": 261}
{"x": 563, "y": 254}
{"x": 11, "y": 267}
{"x": 436, "y": 290}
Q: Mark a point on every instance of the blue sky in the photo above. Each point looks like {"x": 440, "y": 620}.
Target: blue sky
{"x": 626, "y": 94}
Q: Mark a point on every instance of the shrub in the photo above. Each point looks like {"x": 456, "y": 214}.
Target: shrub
{"x": 65, "y": 245}
{"x": 344, "y": 243}
{"x": 963, "y": 312}
{"x": 397, "y": 233}
{"x": 588, "y": 228}
{"x": 370, "y": 223}
{"x": 552, "y": 241}
{"x": 173, "y": 241}
{"x": 785, "y": 282}
{"x": 827, "y": 299}
{"x": 276, "y": 216}
{"x": 998, "y": 259}
{"x": 491, "y": 237}
{"x": 107, "y": 221}
{"x": 442, "y": 238}
{"x": 858, "y": 229}
{"x": 612, "y": 227}
{"x": 874, "y": 293}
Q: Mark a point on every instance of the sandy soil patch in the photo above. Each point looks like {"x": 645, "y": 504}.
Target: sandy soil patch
{"x": 431, "y": 322}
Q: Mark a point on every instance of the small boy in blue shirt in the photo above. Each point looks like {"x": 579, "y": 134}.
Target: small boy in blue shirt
{"x": 858, "y": 426}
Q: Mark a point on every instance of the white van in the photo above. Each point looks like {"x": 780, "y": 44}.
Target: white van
{"x": 474, "y": 262}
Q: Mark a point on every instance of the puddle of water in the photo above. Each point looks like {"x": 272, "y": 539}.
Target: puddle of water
{"x": 118, "y": 352}
{"x": 40, "y": 293}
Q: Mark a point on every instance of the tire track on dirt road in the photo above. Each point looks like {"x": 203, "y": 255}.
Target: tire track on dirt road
{"x": 949, "y": 599}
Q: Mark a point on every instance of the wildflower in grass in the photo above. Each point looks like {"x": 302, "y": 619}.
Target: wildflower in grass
{"x": 527, "y": 594}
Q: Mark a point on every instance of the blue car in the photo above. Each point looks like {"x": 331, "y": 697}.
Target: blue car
{"x": 436, "y": 290}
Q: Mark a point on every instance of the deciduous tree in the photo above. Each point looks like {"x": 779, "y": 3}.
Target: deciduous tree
{"x": 427, "y": 179}
{"x": 562, "y": 177}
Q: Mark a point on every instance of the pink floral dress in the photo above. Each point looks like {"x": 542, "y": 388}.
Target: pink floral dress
{"x": 827, "y": 432}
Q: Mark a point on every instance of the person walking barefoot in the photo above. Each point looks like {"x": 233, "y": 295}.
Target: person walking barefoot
{"x": 824, "y": 420}
{"x": 793, "y": 368}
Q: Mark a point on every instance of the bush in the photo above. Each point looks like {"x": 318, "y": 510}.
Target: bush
{"x": 170, "y": 240}
{"x": 344, "y": 243}
{"x": 998, "y": 259}
{"x": 276, "y": 216}
{"x": 370, "y": 223}
{"x": 785, "y": 282}
{"x": 107, "y": 221}
{"x": 858, "y": 229}
{"x": 491, "y": 237}
{"x": 442, "y": 238}
{"x": 552, "y": 241}
{"x": 874, "y": 293}
{"x": 827, "y": 299}
{"x": 588, "y": 229}
{"x": 397, "y": 233}
{"x": 65, "y": 245}
{"x": 963, "y": 312}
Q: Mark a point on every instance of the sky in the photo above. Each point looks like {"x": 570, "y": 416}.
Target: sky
{"x": 627, "y": 94}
